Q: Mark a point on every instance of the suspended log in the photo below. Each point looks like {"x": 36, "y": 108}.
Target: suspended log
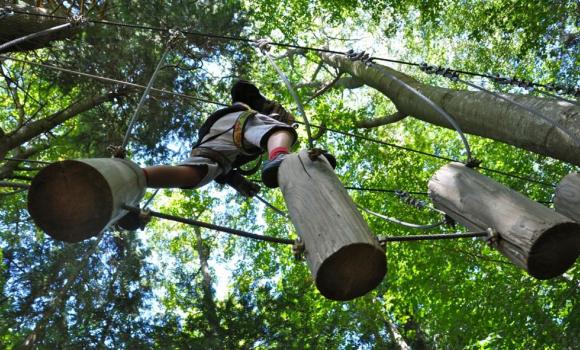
{"x": 342, "y": 253}
{"x": 532, "y": 236}
{"x": 74, "y": 200}
{"x": 567, "y": 197}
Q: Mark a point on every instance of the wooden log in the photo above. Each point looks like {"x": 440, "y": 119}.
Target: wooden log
{"x": 532, "y": 236}
{"x": 567, "y": 197}
{"x": 74, "y": 200}
{"x": 342, "y": 253}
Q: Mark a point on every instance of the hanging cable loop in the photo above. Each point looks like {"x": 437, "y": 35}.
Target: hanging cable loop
{"x": 264, "y": 47}
{"x": 400, "y": 222}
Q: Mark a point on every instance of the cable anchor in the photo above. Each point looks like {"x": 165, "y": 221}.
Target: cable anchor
{"x": 263, "y": 45}
{"x": 492, "y": 238}
{"x": 117, "y": 151}
{"x": 298, "y": 248}
{"x": 77, "y": 21}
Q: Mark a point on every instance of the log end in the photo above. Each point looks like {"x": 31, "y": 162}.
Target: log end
{"x": 555, "y": 251}
{"x": 70, "y": 201}
{"x": 352, "y": 271}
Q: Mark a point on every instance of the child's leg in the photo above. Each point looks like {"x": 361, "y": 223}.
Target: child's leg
{"x": 166, "y": 176}
{"x": 280, "y": 141}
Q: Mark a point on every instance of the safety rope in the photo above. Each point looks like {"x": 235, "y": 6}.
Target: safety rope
{"x": 550, "y": 87}
{"x": 168, "y": 48}
{"x": 74, "y": 21}
{"x": 264, "y": 47}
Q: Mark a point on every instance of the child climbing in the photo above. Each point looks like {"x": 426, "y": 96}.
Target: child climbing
{"x": 229, "y": 138}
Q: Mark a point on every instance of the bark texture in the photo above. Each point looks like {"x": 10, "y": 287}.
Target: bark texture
{"x": 532, "y": 236}
{"x": 477, "y": 112}
{"x": 567, "y": 197}
{"x": 342, "y": 253}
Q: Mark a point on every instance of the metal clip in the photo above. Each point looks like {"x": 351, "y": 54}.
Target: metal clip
{"x": 77, "y": 21}
{"x": 117, "y": 151}
{"x": 298, "y": 249}
{"x": 492, "y": 238}
{"x": 263, "y": 45}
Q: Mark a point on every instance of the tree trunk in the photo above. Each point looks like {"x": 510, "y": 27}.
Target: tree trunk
{"x": 478, "y": 113}
{"x": 208, "y": 294}
{"x": 29, "y": 131}
{"x": 396, "y": 336}
{"x": 19, "y": 25}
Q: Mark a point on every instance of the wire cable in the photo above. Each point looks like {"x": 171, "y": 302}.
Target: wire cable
{"x": 531, "y": 110}
{"x": 400, "y": 222}
{"x": 211, "y": 226}
{"x": 146, "y": 93}
{"x": 293, "y": 46}
{"x": 431, "y": 104}
{"x": 384, "y": 239}
{"x": 345, "y": 133}
{"x": 28, "y": 37}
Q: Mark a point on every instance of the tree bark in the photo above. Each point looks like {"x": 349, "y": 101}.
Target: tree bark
{"x": 19, "y": 25}
{"x": 533, "y": 237}
{"x": 478, "y": 113}
{"x": 567, "y": 197}
{"x": 342, "y": 253}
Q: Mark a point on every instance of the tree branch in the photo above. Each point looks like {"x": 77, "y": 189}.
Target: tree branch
{"x": 373, "y": 123}
{"x": 33, "y": 129}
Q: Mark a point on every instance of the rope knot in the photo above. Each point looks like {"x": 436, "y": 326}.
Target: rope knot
{"x": 117, "y": 151}
{"x": 176, "y": 37}
{"x": 77, "y": 21}
{"x": 263, "y": 45}
{"x": 298, "y": 249}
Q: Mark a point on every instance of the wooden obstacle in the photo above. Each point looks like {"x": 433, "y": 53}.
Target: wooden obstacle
{"x": 344, "y": 257}
{"x": 532, "y": 236}
{"x": 567, "y": 197}
{"x": 74, "y": 200}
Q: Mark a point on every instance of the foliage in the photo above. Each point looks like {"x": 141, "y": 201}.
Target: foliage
{"x": 175, "y": 287}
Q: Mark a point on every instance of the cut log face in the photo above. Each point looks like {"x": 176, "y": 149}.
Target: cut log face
{"x": 342, "y": 253}
{"x": 532, "y": 236}
{"x": 567, "y": 197}
{"x": 74, "y": 200}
